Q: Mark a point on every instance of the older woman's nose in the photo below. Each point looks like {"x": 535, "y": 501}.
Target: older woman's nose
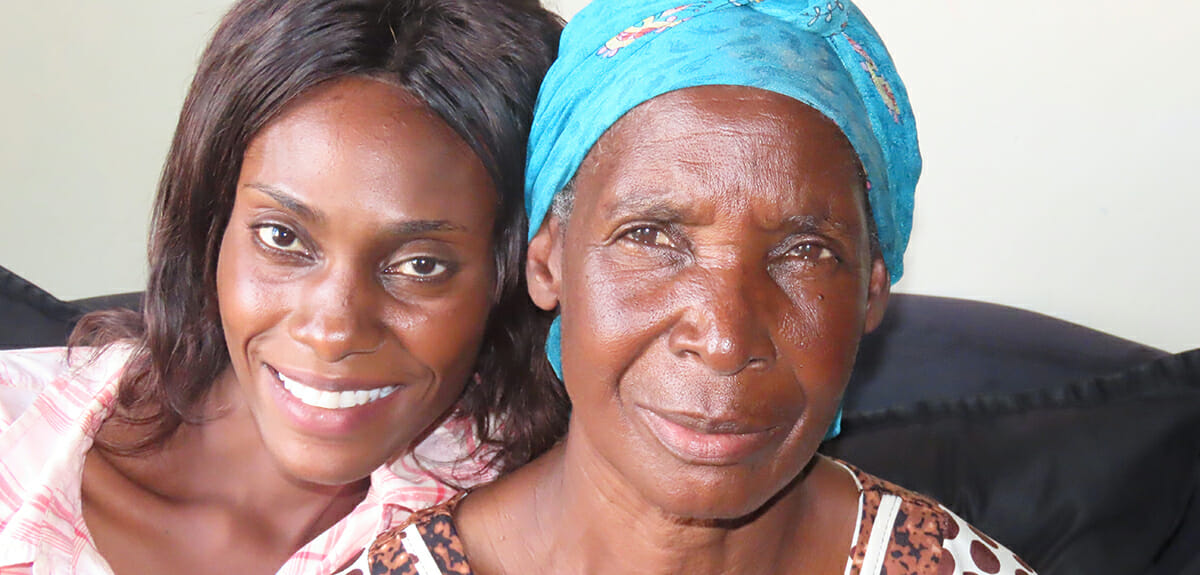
{"x": 723, "y": 324}
{"x": 335, "y": 316}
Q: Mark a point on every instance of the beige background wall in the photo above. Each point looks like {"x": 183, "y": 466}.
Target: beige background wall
{"x": 1058, "y": 140}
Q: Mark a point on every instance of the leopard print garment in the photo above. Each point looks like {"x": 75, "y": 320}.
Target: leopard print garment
{"x": 395, "y": 553}
{"x": 899, "y": 533}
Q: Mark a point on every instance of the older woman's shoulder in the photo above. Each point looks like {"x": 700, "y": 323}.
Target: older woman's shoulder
{"x": 907, "y": 532}
{"x": 427, "y": 543}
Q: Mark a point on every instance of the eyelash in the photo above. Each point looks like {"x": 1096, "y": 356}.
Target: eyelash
{"x": 442, "y": 268}
{"x": 825, "y": 254}
{"x": 633, "y": 235}
{"x": 266, "y": 235}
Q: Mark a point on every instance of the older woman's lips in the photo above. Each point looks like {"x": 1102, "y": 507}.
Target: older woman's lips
{"x": 705, "y": 441}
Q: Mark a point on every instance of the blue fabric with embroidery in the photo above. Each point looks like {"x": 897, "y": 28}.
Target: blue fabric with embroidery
{"x": 616, "y": 54}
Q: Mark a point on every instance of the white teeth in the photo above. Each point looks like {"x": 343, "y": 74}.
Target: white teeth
{"x": 329, "y": 400}
{"x": 333, "y": 399}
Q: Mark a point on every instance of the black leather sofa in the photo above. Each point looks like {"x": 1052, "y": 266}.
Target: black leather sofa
{"x": 1077, "y": 449}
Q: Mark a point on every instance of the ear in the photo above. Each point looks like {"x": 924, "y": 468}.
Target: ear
{"x": 543, "y": 264}
{"x": 877, "y": 294}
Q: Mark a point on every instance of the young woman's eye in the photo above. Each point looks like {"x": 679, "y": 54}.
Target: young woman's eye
{"x": 280, "y": 238}
{"x": 812, "y": 252}
{"x": 650, "y": 236}
{"x": 421, "y": 267}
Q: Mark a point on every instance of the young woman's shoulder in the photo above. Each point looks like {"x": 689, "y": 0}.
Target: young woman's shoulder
{"x": 24, "y": 375}
{"x": 907, "y": 532}
{"x": 77, "y": 374}
{"x": 49, "y": 402}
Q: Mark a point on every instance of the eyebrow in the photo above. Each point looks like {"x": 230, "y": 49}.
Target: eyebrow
{"x": 808, "y": 224}
{"x": 654, "y": 208}
{"x": 404, "y": 228}
{"x": 667, "y": 210}
{"x": 288, "y": 202}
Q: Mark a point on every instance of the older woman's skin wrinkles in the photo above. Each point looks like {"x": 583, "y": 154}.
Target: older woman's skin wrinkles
{"x": 714, "y": 277}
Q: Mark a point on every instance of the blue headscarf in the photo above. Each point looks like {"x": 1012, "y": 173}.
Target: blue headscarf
{"x": 616, "y": 54}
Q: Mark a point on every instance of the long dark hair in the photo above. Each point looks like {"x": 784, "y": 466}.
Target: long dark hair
{"x": 476, "y": 63}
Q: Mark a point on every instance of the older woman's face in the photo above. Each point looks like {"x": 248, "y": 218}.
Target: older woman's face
{"x": 355, "y": 277}
{"x": 714, "y": 277}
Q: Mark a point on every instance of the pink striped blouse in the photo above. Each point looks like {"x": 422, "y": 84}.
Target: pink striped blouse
{"x": 50, "y": 409}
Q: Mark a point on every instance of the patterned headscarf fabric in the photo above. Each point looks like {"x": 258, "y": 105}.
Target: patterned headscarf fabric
{"x": 617, "y": 54}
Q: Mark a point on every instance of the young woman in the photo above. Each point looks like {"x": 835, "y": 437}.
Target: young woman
{"x": 719, "y": 193}
{"x": 334, "y": 278}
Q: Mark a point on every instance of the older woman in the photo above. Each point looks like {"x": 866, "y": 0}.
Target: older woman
{"x": 335, "y": 276}
{"x": 720, "y": 194}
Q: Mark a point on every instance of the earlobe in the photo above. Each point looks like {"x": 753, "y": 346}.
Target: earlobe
{"x": 878, "y": 291}
{"x": 543, "y": 265}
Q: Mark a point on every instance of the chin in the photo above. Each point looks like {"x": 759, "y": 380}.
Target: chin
{"x": 309, "y": 466}
{"x": 331, "y": 477}
{"x": 716, "y": 494}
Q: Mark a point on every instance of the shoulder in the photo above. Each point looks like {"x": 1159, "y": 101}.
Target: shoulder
{"x": 50, "y": 404}
{"x": 968, "y": 549}
{"x": 429, "y": 536}
{"x": 31, "y": 368}
{"x": 24, "y": 375}
{"x": 57, "y": 379}
{"x": 908, "y": 532}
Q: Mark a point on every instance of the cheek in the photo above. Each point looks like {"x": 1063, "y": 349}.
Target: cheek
{"x": 446, "y": 332}
{"x": 819, "y": 330}
{"x": 247, "y": 301}
{"x": 615, "y": 313}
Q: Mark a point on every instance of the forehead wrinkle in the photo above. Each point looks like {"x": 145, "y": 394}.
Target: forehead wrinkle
{"x": 644, "y": 141}
{"x": 684, "y": 184}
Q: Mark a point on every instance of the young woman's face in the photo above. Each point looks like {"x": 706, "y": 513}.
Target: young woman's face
{"x": 355, "y": 277}
{"x": 715, "y": 277}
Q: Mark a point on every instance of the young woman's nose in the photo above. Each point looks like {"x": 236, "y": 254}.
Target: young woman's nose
{"x": 336, "y": 315}
{"x": 723, "y": 324}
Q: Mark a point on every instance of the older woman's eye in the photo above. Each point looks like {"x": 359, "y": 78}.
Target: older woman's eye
{"x": 650, "y": 236}
{"x": 421, "y": 267}
{"x": 280, "y": 238}
{"x": 812, "y": 252}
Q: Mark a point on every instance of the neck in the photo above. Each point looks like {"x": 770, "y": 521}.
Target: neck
{"x": 627, "y": 534}
{"x": 222, "y": 466}
{"x": 624, "y": 533}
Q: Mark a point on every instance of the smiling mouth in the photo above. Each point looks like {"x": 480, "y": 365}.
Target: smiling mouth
{"x": 333, "y": 399}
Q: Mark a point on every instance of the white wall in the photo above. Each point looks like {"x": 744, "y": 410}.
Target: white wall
{"x": 91, "y": 94}
{"x": 1057, "y": 139}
